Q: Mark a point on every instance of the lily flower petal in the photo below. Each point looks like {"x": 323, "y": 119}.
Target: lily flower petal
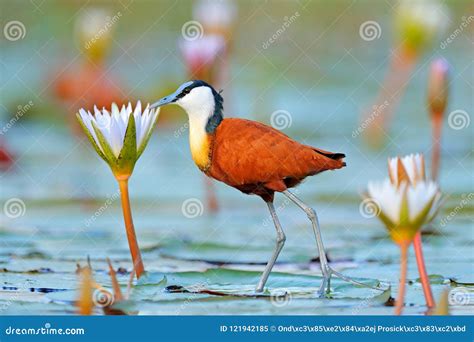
{"x": 110, "y": 133}
{"x": 419, "y": 197}
{"x": 405, "y": 208}
{"x": 410, "y": 168}
{"x": 388, "y": 197}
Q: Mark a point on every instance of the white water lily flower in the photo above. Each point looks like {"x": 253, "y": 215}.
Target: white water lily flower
{"x": 404, "y": 208}
{"x": 410, "y": 168}
{"x": 119, "y": 136}
{"x": 419, "y": 23}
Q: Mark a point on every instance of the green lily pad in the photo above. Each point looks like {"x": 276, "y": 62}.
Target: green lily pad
{"x": 220, "y": 254}
{"x": 229, "y": 282}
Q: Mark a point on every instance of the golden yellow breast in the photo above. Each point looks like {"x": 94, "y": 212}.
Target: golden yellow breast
{"x": 200, "y": 151}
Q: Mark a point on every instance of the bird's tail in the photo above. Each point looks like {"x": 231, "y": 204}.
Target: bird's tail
{"x": 335, "y": 156}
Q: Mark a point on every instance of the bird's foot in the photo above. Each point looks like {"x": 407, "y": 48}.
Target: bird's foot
{"x": 325, "y": 287}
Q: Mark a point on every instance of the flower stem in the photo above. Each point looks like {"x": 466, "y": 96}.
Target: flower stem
{"x": 381, "y": 113}
{"x": 132, "y": 238}
{"x": 403, "y": 278}
{"x": 211, "y": 195}
{"x": 437, "y": 123}
{"x": 425, "y": 281}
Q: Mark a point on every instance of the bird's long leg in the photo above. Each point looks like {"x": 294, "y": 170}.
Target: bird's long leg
{"x": 280, "y": 241}
{"x": 326, "y": 270}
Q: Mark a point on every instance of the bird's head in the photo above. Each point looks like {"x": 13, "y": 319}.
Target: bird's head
{"x": 198, "y": 98}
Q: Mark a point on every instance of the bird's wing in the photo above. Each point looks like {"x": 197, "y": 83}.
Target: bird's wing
{"x": 248, "y": 152}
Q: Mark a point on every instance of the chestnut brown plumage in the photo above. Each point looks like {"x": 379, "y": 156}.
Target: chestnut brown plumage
{"x": 255, "y": 159}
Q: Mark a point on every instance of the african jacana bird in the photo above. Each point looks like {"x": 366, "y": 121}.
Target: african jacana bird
{"x": 202, "y": 61}
{"x": 253, "y": 158}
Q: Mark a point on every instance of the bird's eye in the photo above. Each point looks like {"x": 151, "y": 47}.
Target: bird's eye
{"x": 186, "y": 91}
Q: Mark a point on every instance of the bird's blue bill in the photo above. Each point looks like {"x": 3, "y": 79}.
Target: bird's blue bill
{"x": 165, "y": 100}
{"x": 170, "y": 98}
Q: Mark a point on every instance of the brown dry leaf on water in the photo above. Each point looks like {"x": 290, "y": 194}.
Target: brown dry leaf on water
{"x": 89, "y": 298}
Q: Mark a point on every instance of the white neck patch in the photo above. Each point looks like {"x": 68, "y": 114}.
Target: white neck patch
{"x": 199, "y": 105}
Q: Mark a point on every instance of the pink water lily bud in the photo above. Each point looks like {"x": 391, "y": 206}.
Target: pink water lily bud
{"x": 438, "y": 86}
{"x": 201, "y": 54}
